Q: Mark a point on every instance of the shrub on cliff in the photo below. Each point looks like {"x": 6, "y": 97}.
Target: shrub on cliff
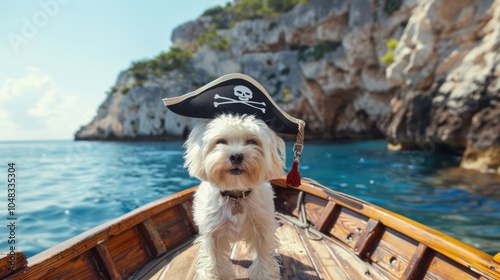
{"x": 222, "y": 17}
{"x": 225, "y": 17}
{"x": 249, "y": 9}
{"x": 388, "y": 58}
{"x": 213, "y": 40}
{"x": 253, "y": 9}
{"x": 175, "y": 58}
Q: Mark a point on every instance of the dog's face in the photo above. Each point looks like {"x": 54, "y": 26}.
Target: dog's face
{"x": 234, "y": 152}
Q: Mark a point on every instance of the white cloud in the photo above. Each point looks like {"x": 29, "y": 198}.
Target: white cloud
{"x": 34, "y": 107}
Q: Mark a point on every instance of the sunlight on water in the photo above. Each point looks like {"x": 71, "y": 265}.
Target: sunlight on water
{"x": 65, "y": 188}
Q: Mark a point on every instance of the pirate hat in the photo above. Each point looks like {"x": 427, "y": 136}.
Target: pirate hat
{"x": 240, "y": 94}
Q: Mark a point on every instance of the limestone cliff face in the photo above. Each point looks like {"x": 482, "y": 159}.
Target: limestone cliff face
{"x": 447, "y": 65}
{"x": 320, "y": 61}
{"x": 137, "y": 113}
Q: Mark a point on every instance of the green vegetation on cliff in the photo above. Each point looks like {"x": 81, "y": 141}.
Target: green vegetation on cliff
{"x": 175, "y": 58}
{"x": 253, "y": 9}
{"x": 388, "y": 58}
{"x": 228, "y": 16}
{"x": 223, "y": 17}
{"x": 214, "y": 40}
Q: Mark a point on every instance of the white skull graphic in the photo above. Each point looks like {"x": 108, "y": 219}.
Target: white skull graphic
{"x": 243, "y": 93}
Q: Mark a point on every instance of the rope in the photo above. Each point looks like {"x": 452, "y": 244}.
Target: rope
{"x": 302, "y": 221}
{"x": 299, "y": 141}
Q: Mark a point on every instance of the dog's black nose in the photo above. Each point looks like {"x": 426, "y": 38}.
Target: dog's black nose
{"x": 236, "y": 158}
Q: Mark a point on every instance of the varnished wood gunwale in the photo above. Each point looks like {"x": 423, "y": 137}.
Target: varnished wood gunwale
{"x": 465, "y": 255}
{"x": 10, "y": 263}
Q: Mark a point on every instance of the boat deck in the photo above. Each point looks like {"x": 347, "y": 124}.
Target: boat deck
{"x": 301, "y": 258}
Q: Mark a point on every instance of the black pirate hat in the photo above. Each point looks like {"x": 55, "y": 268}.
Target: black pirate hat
{"x": 240, "y": 94}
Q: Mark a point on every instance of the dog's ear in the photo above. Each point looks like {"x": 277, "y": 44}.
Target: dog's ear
{"x": 276, "y": 154}
{"x": 194, "y": 152}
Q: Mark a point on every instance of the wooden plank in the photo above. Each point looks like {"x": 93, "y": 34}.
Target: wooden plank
{"x": 175, "y": 234}
{"x": 378, "y": 274}
{"x": 10, "y": 262}
{"x": 179, "y": 266}
{"x": 350, "y": 262}
{"x": 382, "y": 271}
{"x": 367, "y": 237}
{"x": 330, "y": 213}
{"x": 287, "y": 200}
{"x": 464, "y": 255}
{"x": 393, "y": 252}
{"x": 84, "y": 266}
{"x": 442, "y": 267}
{"x": 166, "y": 218}
{"x": 348, "y": 227}
{"x": 107, "y": 261}
{"x": 314, "y": 206}
{"x": 322, "y": 259}
{"x": 128, "y": 251}
{"x": 187, "y": 213}
{"x": 418, "y": 263}
{"x": 55, "y": 257}
{"x": 152, "y": 238}
{"x": 162, "y": 263}
{"x": 295, "y": 262}
{"x": 497, "y": 258}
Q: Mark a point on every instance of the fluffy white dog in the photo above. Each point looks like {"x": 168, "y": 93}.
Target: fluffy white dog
{"x": 235, "y": 157}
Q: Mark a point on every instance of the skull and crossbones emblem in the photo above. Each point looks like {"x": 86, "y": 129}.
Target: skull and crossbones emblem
{"x": 244, "y": 95}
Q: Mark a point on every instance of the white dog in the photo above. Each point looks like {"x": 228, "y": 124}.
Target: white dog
{"x": 235, "y": 157}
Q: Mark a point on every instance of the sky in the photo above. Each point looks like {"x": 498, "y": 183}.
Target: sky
{"x": 59, "y": 57}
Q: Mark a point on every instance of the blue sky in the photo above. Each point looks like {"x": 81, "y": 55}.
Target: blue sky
{"x": 59, "y": 57}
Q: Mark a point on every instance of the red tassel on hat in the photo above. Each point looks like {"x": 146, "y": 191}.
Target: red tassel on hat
{"x": 293, "y": 177}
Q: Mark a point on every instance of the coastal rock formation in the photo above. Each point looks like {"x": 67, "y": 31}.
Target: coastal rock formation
{"x": 320, "y": 61}
{"x": 133, "y": 112}
{"x": 446, "y": 64}
{"x": 424, "y": 74}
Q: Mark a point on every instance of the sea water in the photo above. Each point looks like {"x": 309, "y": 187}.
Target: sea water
{"x": 64, "y": 188}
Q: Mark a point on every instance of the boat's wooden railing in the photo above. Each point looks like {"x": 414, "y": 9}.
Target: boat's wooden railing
{"x": 114, "y": 250}
{"x": 392, "y": 243}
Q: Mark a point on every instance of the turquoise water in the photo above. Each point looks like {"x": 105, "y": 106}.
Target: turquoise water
{"x": 65, "y": 187}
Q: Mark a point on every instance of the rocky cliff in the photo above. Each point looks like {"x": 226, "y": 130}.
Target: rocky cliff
{"x": 320, "y": 61}
{"x": 421, "y": 73}
{"x": 447, "y": 67}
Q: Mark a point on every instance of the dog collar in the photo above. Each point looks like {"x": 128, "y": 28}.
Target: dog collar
{"x": 236, "y": 194}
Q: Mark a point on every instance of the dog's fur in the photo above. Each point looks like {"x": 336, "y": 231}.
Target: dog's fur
{"x": 209, "y": 156}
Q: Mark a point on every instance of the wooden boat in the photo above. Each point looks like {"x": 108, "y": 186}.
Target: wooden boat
{"x": 358, "y": 241}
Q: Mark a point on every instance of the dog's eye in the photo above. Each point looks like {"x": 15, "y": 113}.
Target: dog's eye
{"x": 221, "y": 141}
{"x": 251, "y": 142}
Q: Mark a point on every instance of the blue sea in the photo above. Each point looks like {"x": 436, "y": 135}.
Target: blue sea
{"x": 64, "y": 188}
